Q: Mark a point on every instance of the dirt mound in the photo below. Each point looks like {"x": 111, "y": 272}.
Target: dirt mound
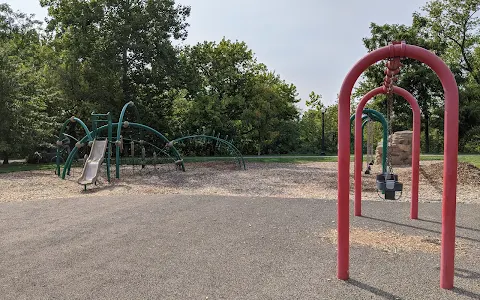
{"x": 468, "y": 174}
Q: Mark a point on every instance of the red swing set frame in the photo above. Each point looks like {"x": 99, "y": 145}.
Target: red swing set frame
{"x": 395, "y": 52}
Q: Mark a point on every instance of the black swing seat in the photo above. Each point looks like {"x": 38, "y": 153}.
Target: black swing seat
{"x": 389, "y": 184}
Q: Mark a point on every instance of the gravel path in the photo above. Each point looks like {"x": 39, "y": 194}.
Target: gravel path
{"x": 285, "y": 180}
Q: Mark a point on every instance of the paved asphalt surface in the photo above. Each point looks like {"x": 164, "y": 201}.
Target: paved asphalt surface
{"x": 206, "y": 247}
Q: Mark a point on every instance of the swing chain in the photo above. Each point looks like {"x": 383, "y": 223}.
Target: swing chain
{"x": 389, "y": 128}
{"x": 369, "y": 142}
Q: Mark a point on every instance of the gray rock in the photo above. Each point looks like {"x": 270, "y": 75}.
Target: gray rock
{"x": 400, "y": 149}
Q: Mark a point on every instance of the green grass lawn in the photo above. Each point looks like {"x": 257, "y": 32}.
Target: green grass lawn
{"x": 474, "y": 159}
{"x": 469, "y": 158}
{"x": 17, "y": 167}
{"x": 290, "y": 159}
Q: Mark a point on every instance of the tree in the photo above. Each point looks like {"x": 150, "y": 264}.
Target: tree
{"x": 24, "y": 100}
{"x": 315, "y": 101}
{"x": 310, "y": 126}
{"x": 216, "y": 77}
{"x": 228, "y": 91}
{"x": 454, "y": 23}
{"x": 115, "y": 51}
{"x": 268, "y": 110}
{"x": 414, "y": 76}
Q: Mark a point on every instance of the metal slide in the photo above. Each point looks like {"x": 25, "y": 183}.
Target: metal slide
{"x": 93, "y": 163}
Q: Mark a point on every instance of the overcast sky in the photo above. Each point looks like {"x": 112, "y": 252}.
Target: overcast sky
{"x": 310, "y": 43}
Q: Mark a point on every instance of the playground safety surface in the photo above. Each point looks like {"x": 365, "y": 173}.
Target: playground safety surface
{"x": 219, "y": 247}
{"x": 284, "y": 180}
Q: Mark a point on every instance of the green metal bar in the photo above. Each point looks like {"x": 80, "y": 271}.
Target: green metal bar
{"x": 70, "y": 137}
{"x": 119, "y": 132}
{"x": 109, "y": 154}
{"x": 382, "y": 120}
{"x": 377, "y": 116}
{"x": 241, "y": 161}
{"x": 363, "y": 127}
{"x": 174, "y": 150}
{"x": 153, "y": 146}
{"x": 60, "y": 138}
{"x": 68, "y": 162}
{"x": 63, "y": 134}
{"x": 96, "y": 119}
{"x": 364, "y": 117}
{"x": 87, "y": 131}
{"x": 94, "y": 126}
{"x": 365, "y": 121}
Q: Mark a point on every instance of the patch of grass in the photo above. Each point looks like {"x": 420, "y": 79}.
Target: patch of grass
{"x": 290, "y": 159}
{"x": 208, "y": 158}
{"x": 473, "y": 159}
{"x": 18, "y": 167}
{"x": 429, "y": 157}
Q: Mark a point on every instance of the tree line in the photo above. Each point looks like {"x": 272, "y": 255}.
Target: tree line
{"x": 98, "y": 55}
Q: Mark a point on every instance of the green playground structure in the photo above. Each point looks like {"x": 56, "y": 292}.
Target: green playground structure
{"x": 231, "y": 148}
{"x": 101, "y": 139}
{"x": 373, "y": 115}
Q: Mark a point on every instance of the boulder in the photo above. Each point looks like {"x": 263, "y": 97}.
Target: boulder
{"x": 400, "y": 149}
{"x": 404, "y": 148}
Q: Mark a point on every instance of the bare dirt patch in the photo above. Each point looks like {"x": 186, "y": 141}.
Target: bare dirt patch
{"x": 286, "y": 180}
{"x": 394, "y": 242}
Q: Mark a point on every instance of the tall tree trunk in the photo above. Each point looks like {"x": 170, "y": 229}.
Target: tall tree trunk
{"x": 5, "y": 158}
{"x": 427, "y": 134}
{"x": 259, "y": 150}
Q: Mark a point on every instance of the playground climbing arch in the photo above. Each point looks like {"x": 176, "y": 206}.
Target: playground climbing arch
{"x": 85, "y": 139}
{"x": 232, "y": 149}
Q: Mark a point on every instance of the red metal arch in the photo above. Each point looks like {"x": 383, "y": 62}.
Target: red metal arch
{"x": 415, "y": 147}
{"x": 450, "y": 154}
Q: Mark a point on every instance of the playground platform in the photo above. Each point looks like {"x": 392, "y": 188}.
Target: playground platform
{"x": 208, "y": 247}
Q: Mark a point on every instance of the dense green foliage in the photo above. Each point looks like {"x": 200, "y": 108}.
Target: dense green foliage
{"x": 226, "y": 90}
{"x": 25, "y": 90}
{"x": 96, "y": 55}
{"x": 449, "y": 28}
